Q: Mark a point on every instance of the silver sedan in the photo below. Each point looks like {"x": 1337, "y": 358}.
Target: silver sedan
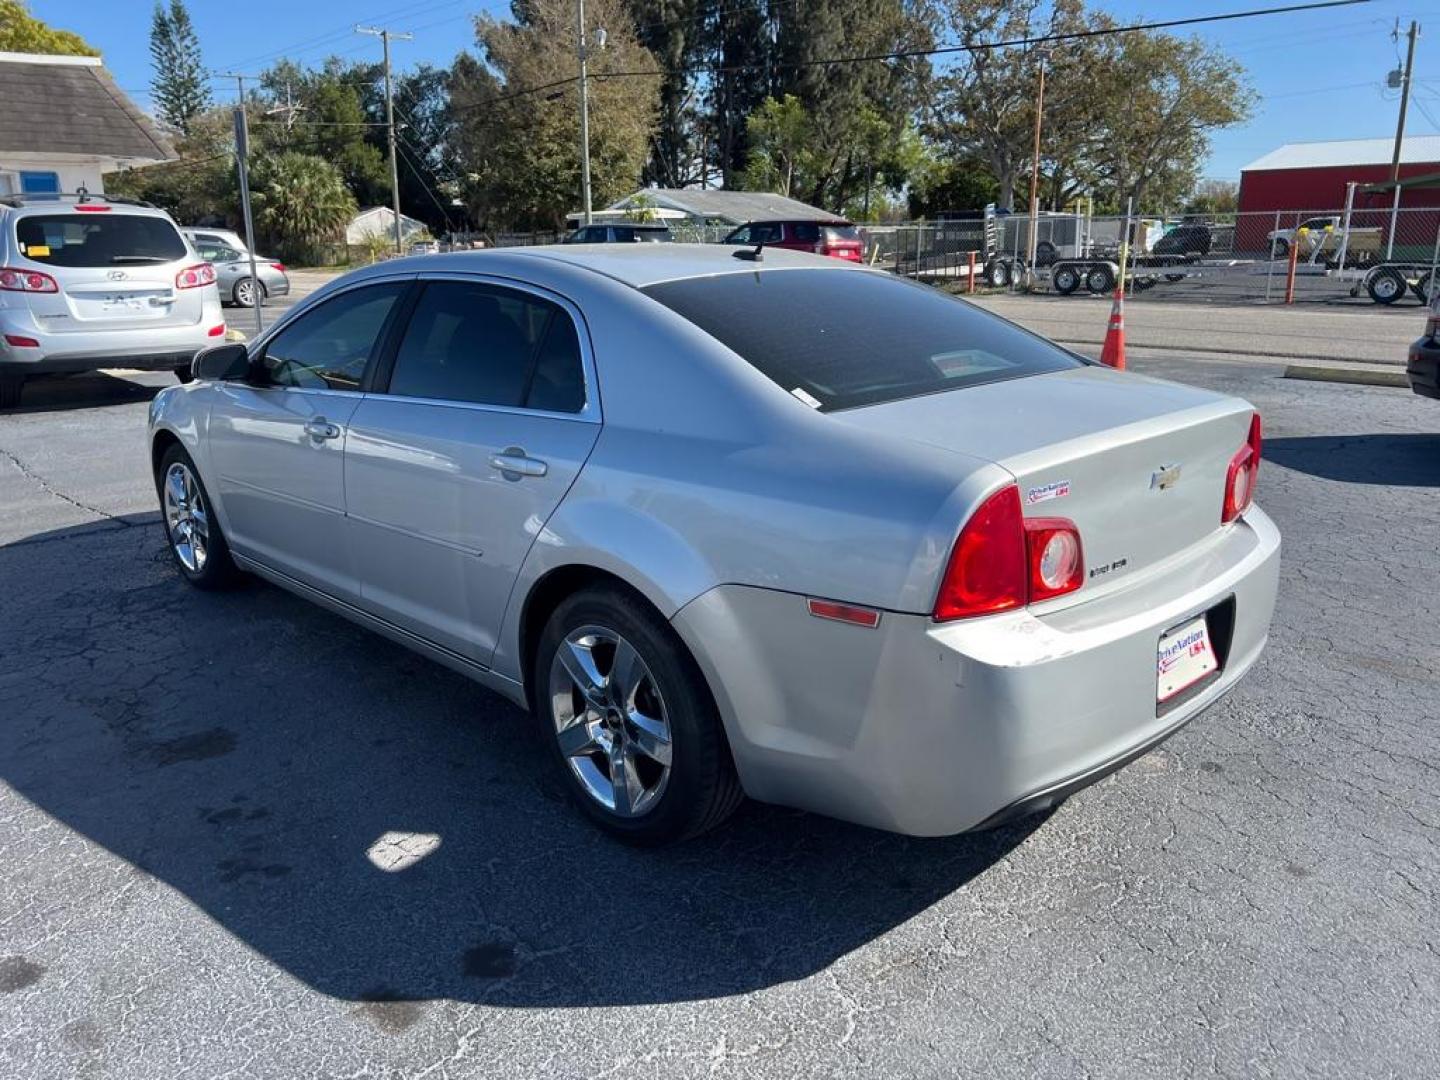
{"x": 232, "y": 272}
{"x": 734, "y": 523}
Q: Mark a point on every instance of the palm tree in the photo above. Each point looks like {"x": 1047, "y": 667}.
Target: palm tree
{"x": 301, "y": 201}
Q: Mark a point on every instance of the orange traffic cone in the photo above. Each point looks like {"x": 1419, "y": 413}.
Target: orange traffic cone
{"x": 1112, "y": 353}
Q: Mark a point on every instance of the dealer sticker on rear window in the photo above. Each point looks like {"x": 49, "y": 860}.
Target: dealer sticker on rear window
{"x": 1058, "y": 490}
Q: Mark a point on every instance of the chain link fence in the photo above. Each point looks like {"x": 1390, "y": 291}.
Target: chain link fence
{"x": 1363, "y": 256}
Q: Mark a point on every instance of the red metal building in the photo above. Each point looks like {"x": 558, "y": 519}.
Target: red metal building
{"x": 1312, "y": 176}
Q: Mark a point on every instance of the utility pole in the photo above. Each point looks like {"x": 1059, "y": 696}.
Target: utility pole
{"x": 242, "y": 153}
{"x": 1035, "y": 173}
{"x": 584, "y": 109}
{"x": 1400, "y": 129}
{"x": 385, "y": 36}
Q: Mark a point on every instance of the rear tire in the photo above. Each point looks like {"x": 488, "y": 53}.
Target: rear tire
{"x": 192, "y": 531}
{"x": 1386, "y": 285}
{"x": 244, "y": 293}
{"x": 997, "y": 274}
{"x": 1066, "y": 280}
{"x": 11, "y": 387}
{"x": 658, "y": 705}
{"x": 1100, "y": 280}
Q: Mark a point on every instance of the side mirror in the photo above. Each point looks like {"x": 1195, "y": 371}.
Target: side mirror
{"x": 222, "y": 363}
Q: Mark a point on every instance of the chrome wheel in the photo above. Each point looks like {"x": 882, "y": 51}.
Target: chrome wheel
{"x": 245, "y": 292}
{"x": 186, "y": 517}
{"x": 610, "y": 720}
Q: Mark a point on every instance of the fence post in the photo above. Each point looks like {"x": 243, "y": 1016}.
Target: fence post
{"x": 1290, "y": 269}
{"x": 1274, "y": 239}
{"x": 970, "y": 276}
{"x": 1434, "y": 259}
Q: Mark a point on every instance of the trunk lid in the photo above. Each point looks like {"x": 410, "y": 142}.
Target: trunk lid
{"x": 1138, "y": 464}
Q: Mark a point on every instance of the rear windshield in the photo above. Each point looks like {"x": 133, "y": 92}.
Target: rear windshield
{"x": 842, "y": 234}
{"x": 98, "y": 239}
{"x": 837, "y": 339}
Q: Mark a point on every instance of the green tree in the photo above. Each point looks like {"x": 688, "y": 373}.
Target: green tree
{"x": 22, "y": 32}
{"x": 1213, "y": 197}
{"x": 178, "y": 85}
{"x": 202, "y": 185}
{"x": 300, "y": 201}
{"x": 782, "y": 138}
{"x": 324, "y": 112}
{"x": 519, "y": 147}
{"x": 1150, "y": 141}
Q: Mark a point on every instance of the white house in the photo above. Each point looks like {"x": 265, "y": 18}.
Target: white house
{"x": 380, "y": 221}
{"x": 708, "y": 206}
{"x": 64, "y": 124}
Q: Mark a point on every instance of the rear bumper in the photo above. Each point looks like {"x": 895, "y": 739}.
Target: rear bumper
{"x": 934, "y": 729}
{"x": 159, "y": 348}
{"x": 1423, "y": 369}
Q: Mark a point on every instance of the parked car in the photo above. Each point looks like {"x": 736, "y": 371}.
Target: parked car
{"x": 1422, "y": 367}
{"x": 232, "y": 269}
{"x": 425, "y": 247}
{"x": 90, "y": 281}
{"x": 784, "y": 526}
{"x": 838, "y": 239}
{"x": 621, "y": 234}
{"x": 1184, "y": 240}
{"x": 1280, "y": 240}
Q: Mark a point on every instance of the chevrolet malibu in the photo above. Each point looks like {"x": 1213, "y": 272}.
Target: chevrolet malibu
{"x": 738, "y": 523}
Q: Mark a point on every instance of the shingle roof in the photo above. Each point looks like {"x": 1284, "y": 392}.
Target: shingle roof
{"x": 737, "y": 207}
{"x": 1416, "y": 149}
{"x": 71, "y": 105}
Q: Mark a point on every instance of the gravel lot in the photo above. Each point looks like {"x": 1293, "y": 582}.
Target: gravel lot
{"x": 191, "y": 784}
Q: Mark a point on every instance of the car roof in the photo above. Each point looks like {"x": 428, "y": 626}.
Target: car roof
{"x": 637, "y": 265}
{"x": 29, "y": 206}
{"x": 836, "y": 222}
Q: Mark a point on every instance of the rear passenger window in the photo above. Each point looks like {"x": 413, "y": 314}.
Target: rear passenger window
{"x": 329, "y": 347}
{"x": 490, "y": 346}
{"x": 806, "y": 232}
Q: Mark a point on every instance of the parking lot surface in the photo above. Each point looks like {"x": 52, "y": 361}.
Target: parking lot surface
{"x": 242, "y": 837}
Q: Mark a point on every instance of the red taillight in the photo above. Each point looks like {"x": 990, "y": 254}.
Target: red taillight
{"x": 90, "y": 208}
{"x": 278, "y": 266}
{"x": 1057, "y": 561}
{"x": 19, "y": 342}
{"x": 1242, "y": 475}
{"x": 194, "y": 277}
{"x": 12, "y": 280}
{"x": 1001, "y": 561}
{"x": 987, "y": 571}
{"x": 847, "y": 252}
{"x": 215, "y": 331}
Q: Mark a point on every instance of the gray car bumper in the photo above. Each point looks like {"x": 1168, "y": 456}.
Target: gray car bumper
{"x": 932, "y": 729}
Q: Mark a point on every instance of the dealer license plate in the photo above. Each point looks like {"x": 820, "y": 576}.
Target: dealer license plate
{"x": 1184, "y": 658}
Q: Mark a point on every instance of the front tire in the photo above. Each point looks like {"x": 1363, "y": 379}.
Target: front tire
{"x": 630, "y": 721}
{"x": 193, "y": 533}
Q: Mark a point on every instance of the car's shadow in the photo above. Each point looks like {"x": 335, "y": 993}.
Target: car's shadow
{"x": 1393, "y": 460}
{"x": 384, "y": 830}
{"x": 87, "y": 391}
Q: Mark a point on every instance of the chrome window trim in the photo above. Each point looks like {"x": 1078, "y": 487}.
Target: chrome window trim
{"x": 590, "y": 412}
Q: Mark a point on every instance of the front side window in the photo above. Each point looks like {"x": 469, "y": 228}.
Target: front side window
{"x": 846, "y": 338}
{"x": 485, "y": 345}
{"x": 329, "y": 347}
{"x": 98, "y": 238}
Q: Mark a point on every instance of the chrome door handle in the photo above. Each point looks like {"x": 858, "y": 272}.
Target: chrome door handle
{"x": 516, "y": 461}
{"x": 320, "y": 428}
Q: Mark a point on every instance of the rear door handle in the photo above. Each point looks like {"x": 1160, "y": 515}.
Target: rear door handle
{"x": 320, "y": 428}
{"x": 515, "y": 461}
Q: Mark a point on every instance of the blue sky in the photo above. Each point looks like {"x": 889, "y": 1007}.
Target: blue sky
{"x": 1319, "y": 75}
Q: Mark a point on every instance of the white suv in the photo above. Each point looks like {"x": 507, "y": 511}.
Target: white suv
{"x": 94, "y": 281}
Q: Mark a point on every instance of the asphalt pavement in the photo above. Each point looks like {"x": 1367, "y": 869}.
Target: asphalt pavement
{"x": 243, "y": 838}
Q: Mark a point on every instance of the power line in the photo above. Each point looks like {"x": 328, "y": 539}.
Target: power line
{"x": 906, "y": 54}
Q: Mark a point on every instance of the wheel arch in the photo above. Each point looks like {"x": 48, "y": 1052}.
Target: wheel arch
{"x": 160, "y": 444}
